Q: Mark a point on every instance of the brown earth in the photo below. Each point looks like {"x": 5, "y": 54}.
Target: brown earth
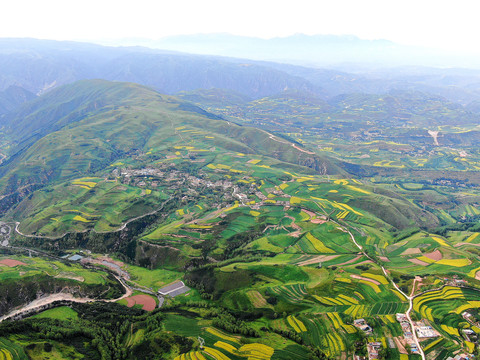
{"x": 365, "y": 262}
{"x": 434, "y": 255}
{"x": 11, "y": 262}
{"x": 465, "y": 243}
{"x": 317, "y": 259}
{"x": 418, "y": 262}
{"x": 148, "y": 302}
{"x": 365, "y": 278}
{"x": 411, "y": 251}
{"x": 350, "y": 261}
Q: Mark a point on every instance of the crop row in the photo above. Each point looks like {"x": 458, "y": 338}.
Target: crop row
{"x": 252, "y": 351}
{"x": 296, "y": 323}
{"x": 193, "y": 355}
{"x": 448, "y": 292}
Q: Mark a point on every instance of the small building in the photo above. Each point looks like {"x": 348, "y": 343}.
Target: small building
{"x": 362, "y": 325}
{"x": 366, "y": 328}
{"x": 359, "y": 322}
{"x": 373, "y": 349}
{"x": 467, "y": 316}
{"x": 458, "y": 357}
{"x": 470, "y": 335}
{"x": 426, "y": 332}
{"x": 175, "y": 289}
{"x": 75, "y": 257}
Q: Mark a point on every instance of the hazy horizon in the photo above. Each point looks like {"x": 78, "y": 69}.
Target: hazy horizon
{"x": 429, "y": 24}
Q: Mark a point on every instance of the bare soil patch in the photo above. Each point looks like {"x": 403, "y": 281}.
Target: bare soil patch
{"x": 71, "y": 276}
{"x": 365, "y": 278}
{"x": 384, "y": 258}
{"x": 317, "y": 259}
{"x": 365, "y": 262}
{"x": 257, "y": 299}
{"x": 314, "y": 218}
{"x": 400, "y": 346}
{"x": 300, "y": 149}
{"x": 418, "y": 262}
{"x": 350, "y": 261}
{"x": 434, "y": 255}
{"x": 11, "y": 262}
{"x": 148, "y": 302}
{"x": 465, "y": 243}
{"x": 411, "y": 251}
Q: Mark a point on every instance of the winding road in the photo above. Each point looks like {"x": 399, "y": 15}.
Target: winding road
{"x": 43, "y": 301}
{"x": 387, "y": 275}
{"x": 122, "y": 227}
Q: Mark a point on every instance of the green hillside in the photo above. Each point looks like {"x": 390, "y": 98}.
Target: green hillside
{"x": 82, "y": 129}
{"x": 283, "y": 238}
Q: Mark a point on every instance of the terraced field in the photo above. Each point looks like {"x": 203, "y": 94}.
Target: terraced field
{"x": 284, "y": 238}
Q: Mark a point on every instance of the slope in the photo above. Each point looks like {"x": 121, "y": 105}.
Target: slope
{"x": 81, "y": 129}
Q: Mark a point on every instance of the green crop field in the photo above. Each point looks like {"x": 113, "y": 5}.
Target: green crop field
{"x": 288, "y": 217}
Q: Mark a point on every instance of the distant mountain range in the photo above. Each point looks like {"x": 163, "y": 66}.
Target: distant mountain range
{"x": 30, "y": 67}
{"x": 51, "y": 64}
{"x": 311, "y": 50}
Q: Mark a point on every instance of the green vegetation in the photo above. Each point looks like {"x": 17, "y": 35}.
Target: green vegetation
{"x": 263, "y": 227}
{"x": 32, "y": 275}
{"x": 60, "y": 313}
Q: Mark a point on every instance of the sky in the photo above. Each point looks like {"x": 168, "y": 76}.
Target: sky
{"x": 450, "y": 25}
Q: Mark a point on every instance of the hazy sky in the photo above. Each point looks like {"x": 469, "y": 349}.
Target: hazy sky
{"x": 435, "y": 23}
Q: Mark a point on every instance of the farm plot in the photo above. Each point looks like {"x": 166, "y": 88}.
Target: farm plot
{"x": 147, "y": 303}
{"x": 448, "y": 292}
{"x": 319, "y": 333}
{"x": 296, "y": 324}
{"x": 291, "y": 293}
{"x": 23, "y": 267}
{"x": 11, "y": 262}
{"x": 250, "y": 351}
{"x": 11, "y": 351}
{"x": 446, "y": 305}
{"x": 311, "y": 245}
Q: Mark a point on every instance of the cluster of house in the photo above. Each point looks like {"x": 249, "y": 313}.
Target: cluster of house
{"x": 470, "y": 318}
{"x": 373, "y": 348}
{"x": 362, "y": 325}
{"x": 171, "y": 175}
{"x": 423, "y": 331}
{"x": 470, "y": 335}
{"x": 454, "y": 281}
{"x": 407, "y": 333}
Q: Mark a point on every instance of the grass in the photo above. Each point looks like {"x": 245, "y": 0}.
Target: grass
{"x": 36, "y": 266}
{"x": 153, "y": 279}
{"x": 60, "y": 313}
